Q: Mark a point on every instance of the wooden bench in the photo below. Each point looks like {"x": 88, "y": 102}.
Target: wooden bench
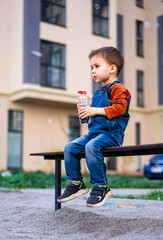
{"x": 147, "y": 149}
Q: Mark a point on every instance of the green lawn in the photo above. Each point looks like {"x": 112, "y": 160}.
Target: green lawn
{"x": 155, "y": 195}
{"x": 21, "y": 179}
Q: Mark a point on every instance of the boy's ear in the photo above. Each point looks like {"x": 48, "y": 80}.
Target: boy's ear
{"x": 113, "y": 68}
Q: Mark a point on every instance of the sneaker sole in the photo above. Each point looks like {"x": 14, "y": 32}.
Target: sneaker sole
{"x": 108, "y": 195}
{"x": 75, "y": 195}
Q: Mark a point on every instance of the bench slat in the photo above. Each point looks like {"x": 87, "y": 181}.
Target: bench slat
{"x": 135, "y": 150}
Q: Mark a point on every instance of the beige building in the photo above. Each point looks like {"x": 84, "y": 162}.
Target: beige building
{"x": 44, "y": 62}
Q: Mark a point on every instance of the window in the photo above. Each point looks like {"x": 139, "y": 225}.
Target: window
{"x": 53, "y": 64}
{"x": 139, "y": 38}
{"x": 111, "y": 163}
{"x": 74, "y": 128}
{"x": 140, "y": 89}
{"x": 15, "y": 128}
{"x": 96, "y": 86}
{"x": 53, "y": 11}
{"x": 101, "y": 17}
{"x": 120, "y": 40}
{"x": 137, "y": 133}
{"x": 140, "y": 3}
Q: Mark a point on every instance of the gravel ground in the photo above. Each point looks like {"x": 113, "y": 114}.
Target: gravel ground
{"x": 29, "y": 214}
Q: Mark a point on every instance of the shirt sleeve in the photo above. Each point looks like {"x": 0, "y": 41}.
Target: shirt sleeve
{"x": 118, "y": 102}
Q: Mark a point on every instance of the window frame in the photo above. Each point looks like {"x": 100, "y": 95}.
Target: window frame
{"x": 100, "y": 19}
{"x": 111, "y": 163}
{"x": 17, "y": 132}
{"x": 43, "y": 14}
{"x": 62, "y": 68}
{"x": 70, "y": 126}
{"x": 139, "y": 4}
{"x": 96, "y": 86}
{"x": 138, "y": 133}
{"x": 140, "y": 88}
{"x": 139, "y": 39}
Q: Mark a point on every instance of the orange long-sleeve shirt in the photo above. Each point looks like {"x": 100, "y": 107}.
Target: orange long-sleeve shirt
{"x": 119, "y": 100}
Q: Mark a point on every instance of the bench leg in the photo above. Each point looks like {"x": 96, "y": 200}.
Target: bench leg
{"x": 57, "y": 182}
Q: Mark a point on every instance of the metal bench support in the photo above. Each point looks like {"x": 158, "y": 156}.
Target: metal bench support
{"x": 57, "y": 182}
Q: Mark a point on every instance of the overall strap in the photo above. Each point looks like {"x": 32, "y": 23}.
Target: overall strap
{"x": 107, "y": 88}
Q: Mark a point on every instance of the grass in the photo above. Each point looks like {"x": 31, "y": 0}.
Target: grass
{"x": 121, "y": 181}
{"x": 155, "y": 195}
{"x": 21, "y": 179}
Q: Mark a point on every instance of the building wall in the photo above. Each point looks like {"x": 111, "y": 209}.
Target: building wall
{"x": 4, "y": 130}
{"x": 47, "y": 110}
{"x": 5, "y": 45}
{"x": 79, "y": 41}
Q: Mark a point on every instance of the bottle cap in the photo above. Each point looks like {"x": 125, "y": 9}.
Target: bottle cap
{"x": 82, "y": 92}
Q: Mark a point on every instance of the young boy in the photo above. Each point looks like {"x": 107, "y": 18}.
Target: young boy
{"x": 109, "y": 118}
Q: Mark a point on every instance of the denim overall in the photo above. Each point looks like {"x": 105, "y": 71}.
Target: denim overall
{"x": 102, "y": 133}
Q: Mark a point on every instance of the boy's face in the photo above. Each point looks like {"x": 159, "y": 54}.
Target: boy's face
{"x": 102, "y": 71}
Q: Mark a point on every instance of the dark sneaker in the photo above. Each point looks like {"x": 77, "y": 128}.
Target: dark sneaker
{"x": 72, "y": 191}
{"x": 98, "y": 196}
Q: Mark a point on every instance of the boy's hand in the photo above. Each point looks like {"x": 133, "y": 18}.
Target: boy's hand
{"x": 84, "y": 112}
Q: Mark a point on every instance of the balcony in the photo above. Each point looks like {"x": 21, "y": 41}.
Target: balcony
{"x": 38, "y": 94}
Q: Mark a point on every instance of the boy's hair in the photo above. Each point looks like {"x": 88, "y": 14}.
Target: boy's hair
{"x": 111, "y": 55}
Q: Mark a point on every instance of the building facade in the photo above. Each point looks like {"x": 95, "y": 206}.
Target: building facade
{"x": 44, "y": 62}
